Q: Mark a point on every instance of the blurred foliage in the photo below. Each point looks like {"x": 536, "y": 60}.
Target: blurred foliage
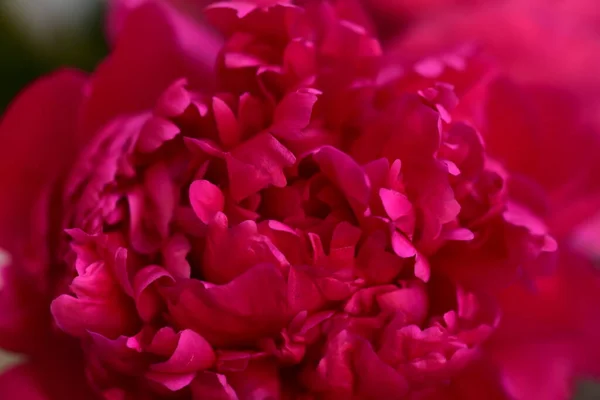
{"x": 22, "y": 59}
{"x": 588, "y": 390}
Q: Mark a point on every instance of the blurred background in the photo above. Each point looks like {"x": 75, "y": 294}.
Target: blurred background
{"x": 39, "y": 36}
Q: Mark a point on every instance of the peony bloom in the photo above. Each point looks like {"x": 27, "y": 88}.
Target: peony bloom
{"x": 314, "y": 220}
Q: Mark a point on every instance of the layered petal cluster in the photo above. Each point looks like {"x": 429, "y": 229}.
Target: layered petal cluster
{"x": 318, "y": 221}
{"x": 553, "y": 110}
{"x": 279, "y": 235}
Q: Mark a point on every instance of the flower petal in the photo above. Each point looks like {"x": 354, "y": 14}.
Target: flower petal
{"x": 156, "y": 46}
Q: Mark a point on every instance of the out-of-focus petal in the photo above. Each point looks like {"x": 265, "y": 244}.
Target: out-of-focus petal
{"x": 57, "y": 376}
{"x": 38, "y": 143}
{"x": 551, "y": 329}
{"x": 157, "y": 45}
{"x": 38, "y": 140}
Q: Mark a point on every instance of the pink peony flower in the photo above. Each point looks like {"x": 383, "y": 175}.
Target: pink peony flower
{"x": 315, "y": 220}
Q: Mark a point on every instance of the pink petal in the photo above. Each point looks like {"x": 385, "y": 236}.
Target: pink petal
{"x": 174, "y": 100}
{"x": 396, "y": 204}
{"x": 402, "y": 246}
{"x": 416, "y": 131}
{"x": 411, "y": 300}
{"x": 154, "y": 133}
{"x": 343, "y": 244}
{"x": 303, "y": 292}
{"x": 193, "y": 353}
{"x": 231, "y": 251}
{"x": 256, "y": 164}
{"x": 206, "y": 200}
{"x": 173, "y": 382}
{"x": 342, "y": 170}
{"x": 39, "y": 141}
{"x": 175, "y": 256}
{"x": 376, "y": 264}
{"x": 164, "y": 342}
{"x": 122, "y": 273}
{"x": 76, "y": 317}
{"x": 375, "y": 378}
{"x": 152, "y": 209}
{"x": 204, "y": 145}
{"x": 240, "y": 8}
{"x": 260, "y": 380}
{"x": 251, "y": 113}
{"x": 251, "y": 306}
{"x": 534, "y": 371}
{"x": 209, "y": 385}
{"x": 227, "y": 124}
{"x": 148, "y": 304}
{"x": 293, "y": 114}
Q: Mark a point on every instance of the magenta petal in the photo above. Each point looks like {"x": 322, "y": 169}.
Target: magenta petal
{"x": 174, "y": 100}
{"x": 175, "y": 256}
{"x": 156, "y": 46}
{"x": 256, "y": 164}
{"x": 154, "y": 133}
{"x": 375, "y": 378}
{"x": 341, "y": 169}
{"x": 173, "y": 382}
{"x": 77, "y": 316}
{"x": 205, "y": 146}
{"x": 249, "y": 307}
{"x": 293, "y": 114}
{"x": 209, "y": 385}
{"x": 232, "y": 251}
{"x": 416, "y": 131}
{"x": 151, "y": 209}
{"x": 537, "y": 371}
{"x": 38, "y": 141}
{"x": 402, "y": 246}
{"x": 241, "y": 8}
{"x": 344, "y": 239}
{"x": 260, "y": 380}
{"x": 147, "y": 303}
{"x": 206, "y": 200}
{"x": 411, "y": 300}
{"x": 116, "y": 352}
{"x": 303, "y": 292}
{"x": 122, "y": 272}
{"x": 396, "y": 204}
{"x": 227, "y": 124}
{"x": 193, "y": 353}
{"x": 164, "y": 342}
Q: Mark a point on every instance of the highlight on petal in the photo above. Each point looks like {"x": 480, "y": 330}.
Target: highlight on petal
{"x": 206, "y": 199}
